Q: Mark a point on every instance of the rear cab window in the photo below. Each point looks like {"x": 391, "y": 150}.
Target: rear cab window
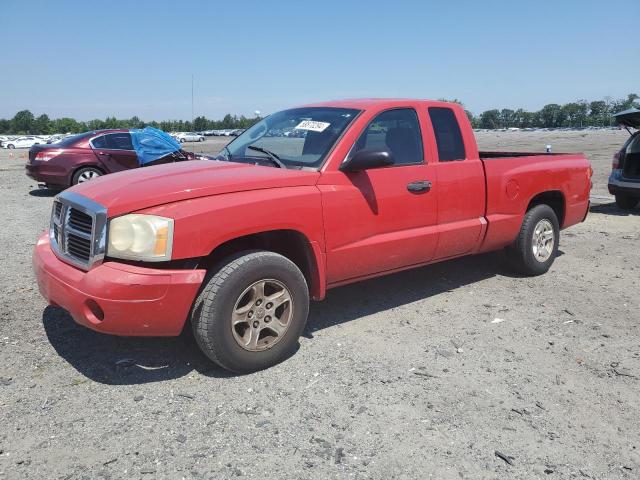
{"x": 447, "y": 133}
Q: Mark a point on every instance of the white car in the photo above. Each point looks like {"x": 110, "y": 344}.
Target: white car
{"x": 22, "y": 142}
{"x": 55, "y": 138}
{"x": 189, "y": 137}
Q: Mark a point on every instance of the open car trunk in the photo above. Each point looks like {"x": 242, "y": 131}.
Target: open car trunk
{"x": 630, "y": 153}
{"x": 628, "y": 118}
{"x": 630, "y": 158}
{"x": 632, "y": 167}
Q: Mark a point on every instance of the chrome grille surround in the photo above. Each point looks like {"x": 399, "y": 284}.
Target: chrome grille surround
{"x": 78, "y": 230}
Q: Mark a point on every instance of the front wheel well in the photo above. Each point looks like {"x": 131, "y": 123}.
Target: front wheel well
{"x": 289, "y": 243}
{"x": 553, "y": 198}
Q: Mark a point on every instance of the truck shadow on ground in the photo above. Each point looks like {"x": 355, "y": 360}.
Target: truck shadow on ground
{"x": 134, "y": 360}
{"x": 385, "y": 293}
{"x": 613, "y": 209}
{"x": 44, "y": 192}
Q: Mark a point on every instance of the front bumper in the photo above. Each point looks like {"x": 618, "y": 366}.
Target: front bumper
{"x": 116, "y": 298}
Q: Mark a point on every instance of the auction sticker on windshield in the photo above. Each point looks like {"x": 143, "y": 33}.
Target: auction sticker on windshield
{"x": 311, "y": 125}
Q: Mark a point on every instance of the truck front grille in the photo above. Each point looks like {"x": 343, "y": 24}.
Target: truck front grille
{"x": 78, "y": 228}
{"x": 80, "y": 221}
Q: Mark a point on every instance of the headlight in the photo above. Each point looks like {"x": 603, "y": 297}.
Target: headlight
{"x": 147, "y": 238}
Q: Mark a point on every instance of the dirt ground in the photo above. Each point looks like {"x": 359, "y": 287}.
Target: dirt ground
{"x": 457, "y": 370}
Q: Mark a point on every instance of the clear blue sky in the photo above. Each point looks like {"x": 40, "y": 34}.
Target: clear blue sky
{"x": 90, "y": 59}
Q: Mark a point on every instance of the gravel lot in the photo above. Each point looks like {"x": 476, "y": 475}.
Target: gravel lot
{"x": 432, "y": 373}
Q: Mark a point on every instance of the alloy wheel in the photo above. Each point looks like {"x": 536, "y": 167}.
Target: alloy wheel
{"x": 543, "y": 240}
{"x": 262, "y": 315}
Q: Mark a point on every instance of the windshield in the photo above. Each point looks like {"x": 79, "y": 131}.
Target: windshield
{"x": 300, "y": 137}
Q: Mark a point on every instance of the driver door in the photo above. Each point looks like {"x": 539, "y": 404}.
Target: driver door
{"x": 390, "y": 223}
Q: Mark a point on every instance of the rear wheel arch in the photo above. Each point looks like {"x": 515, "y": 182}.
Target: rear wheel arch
{"x": 554, "y": 199}
{"x": 291, "y": 244}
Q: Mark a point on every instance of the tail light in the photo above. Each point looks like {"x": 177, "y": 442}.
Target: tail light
{"x": 46, "y": 155}
{"x": 615, "y": 163}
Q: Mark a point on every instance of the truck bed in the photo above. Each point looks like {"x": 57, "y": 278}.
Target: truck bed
{"x": 490, "y": 155}
{"x": 513, "y": 183}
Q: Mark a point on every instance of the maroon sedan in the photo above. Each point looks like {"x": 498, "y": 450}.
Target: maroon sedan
{"x": 85, "y": 156}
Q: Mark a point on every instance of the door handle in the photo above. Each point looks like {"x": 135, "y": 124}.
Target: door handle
{"x": 104, "y": 154}
{"x": 419, "y": 186}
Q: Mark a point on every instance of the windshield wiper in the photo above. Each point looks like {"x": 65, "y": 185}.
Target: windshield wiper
{"x": 272, "y": 156}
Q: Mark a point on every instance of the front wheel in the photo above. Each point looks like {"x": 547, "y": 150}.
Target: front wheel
{"x": 626, "y": 202}
{"x": 251, "y": 312}
{"x": 11, "y": 146}
{"x": 536, "y": 246}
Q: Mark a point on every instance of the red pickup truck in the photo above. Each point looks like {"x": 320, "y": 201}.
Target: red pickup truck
{"x": 307, "y": 199}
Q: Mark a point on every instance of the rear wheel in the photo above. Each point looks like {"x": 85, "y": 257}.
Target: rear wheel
{"x": 251, "y": 312}
{"x": 626, "y": 202}
{"x": 11, "y": 146}
{"x": 85, "y": 174}
{"x": 536, "y": 247}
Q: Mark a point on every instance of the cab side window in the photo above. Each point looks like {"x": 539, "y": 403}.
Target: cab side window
{"x": 396, "y": 131}
{"x": 448, "y": 135}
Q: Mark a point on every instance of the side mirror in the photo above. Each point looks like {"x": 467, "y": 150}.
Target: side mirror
{"x": 366, "y": 159}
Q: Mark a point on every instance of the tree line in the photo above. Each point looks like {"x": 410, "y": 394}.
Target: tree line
{"x": 598, "y": 113}
{"x": 581, "y": 113}
{"x": 24, "y": 122}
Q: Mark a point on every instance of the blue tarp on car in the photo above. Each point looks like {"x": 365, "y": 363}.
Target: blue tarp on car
{"x": 152, "y": 144}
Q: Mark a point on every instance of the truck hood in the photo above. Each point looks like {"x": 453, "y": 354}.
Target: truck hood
{"x": 146, "y": 187}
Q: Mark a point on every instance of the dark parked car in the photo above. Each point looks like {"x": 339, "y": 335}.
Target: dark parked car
{"x": 88, "y": 155}
{"x": 624, "y": 181}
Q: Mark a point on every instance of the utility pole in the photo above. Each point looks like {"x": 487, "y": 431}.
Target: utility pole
{"x": 192, "y": 118}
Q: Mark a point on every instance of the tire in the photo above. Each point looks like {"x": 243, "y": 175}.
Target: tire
{"x": 182, "y": 140}
{"x": 85, "y": 174}
{"x": 626, "y": 202}
{"x": 527, "y": 256}
{"x": 229, "y": 291}
{"x": 11, "y": 146}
